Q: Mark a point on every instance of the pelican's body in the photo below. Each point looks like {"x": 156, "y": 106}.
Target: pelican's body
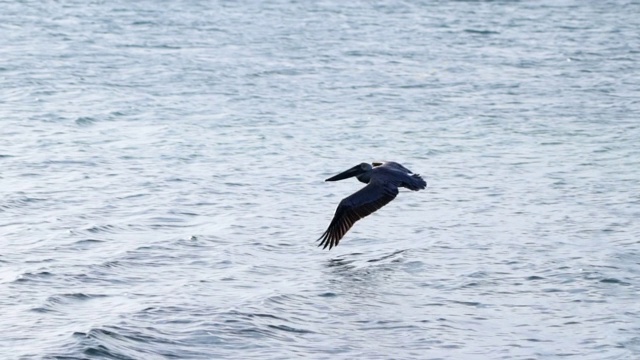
{"x": 383, "y": 181}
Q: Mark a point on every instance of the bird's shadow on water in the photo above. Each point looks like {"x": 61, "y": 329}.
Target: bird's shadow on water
{"x": 360, "y": 276}
{"x": 352, "y": 258}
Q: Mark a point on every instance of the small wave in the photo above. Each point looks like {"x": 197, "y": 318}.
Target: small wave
{"x": 63, "y": 298}
{"x": 257, "y": 325}
{"x": 481, "y": 32}
{"x": 103, "y": 229}
{"x": 160, "y": 337}
{"x": 85, "y": 121}
{"x": 88, "y": 242}
{"x": 614, "y": 281}
{"x": 20, "y": 202}
{"x": 35, "y": 277}
{"x": 391, "y": 328}
{"x": 534, "y": 277}
{"x": 56, "y": 303}
{"x": 70, "y": 162}
{"x": 328, "y": 294}
{"x": 290, "y": 329}
{"x": 252, "y": 315}
{"x": 467, "y": 303}
{"x": 119, "y": 342}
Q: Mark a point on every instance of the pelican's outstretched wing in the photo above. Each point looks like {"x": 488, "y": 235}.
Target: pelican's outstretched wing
{"x": 356, "y": 206}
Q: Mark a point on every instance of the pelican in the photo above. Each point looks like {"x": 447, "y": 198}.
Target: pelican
{"x": 383, "y": 181}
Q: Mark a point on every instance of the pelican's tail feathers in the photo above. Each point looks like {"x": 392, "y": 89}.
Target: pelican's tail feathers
{"x": 415, "y": 183}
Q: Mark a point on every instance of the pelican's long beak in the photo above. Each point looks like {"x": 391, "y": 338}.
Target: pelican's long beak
{"x": 354, "y": 171}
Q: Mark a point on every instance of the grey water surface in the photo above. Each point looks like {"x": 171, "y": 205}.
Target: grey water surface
{"x": 162, "y": 166}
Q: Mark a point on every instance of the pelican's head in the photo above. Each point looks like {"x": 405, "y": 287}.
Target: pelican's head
{"x": 362, "y": 171}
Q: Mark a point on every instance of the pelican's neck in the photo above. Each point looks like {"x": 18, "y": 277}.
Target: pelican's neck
{"x": 365, "y": 177}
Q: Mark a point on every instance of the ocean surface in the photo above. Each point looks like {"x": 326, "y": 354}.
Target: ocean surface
{"x": 162, "y": 169}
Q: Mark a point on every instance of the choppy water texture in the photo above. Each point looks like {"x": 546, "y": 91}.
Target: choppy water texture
{"x": 162, "y": 169}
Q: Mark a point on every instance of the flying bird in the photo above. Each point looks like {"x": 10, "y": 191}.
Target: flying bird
{"x": 383, "y": 181}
